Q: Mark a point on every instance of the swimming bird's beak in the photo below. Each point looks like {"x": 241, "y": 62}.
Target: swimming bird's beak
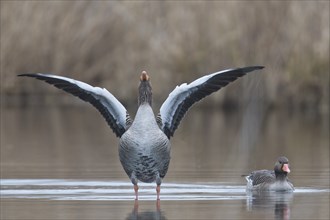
{"x": 285, "y": 168}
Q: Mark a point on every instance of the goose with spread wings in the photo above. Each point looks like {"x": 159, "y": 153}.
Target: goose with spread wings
{"x": 144, "y": 145}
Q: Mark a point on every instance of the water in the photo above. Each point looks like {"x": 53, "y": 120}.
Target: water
{"x": 58, "y": 199}
{"x": 62, "y": 163}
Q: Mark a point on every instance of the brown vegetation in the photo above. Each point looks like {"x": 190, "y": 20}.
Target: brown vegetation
{"x": 108, "y": 44}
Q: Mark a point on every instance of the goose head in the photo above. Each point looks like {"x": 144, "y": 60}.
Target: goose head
{"x": 145, "y": 93}
{"x": 281, "y": 168}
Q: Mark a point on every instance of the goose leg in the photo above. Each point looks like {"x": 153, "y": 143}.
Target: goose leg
{"x": 135, "y": 183}
{"x": 136, "y": 188}
{"x": 158, "y": 191}
{"x": 158, "y": 182}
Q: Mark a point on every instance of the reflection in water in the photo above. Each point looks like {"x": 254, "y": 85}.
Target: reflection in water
{"x": 277, "y": 201}
{"x": 282, "y": 211}
{"x": 54, "y": 157}
{"x": 146, "y": 215}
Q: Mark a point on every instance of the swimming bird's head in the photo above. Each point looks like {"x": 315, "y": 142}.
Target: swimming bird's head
{"x": 282, "y": 166}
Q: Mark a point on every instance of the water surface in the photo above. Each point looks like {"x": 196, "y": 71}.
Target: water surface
{"x": 33, "y": 192}
{"x": 62, "y": 163}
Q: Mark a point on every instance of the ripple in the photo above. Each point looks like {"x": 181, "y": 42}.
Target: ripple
{"x": 64, "y": 189}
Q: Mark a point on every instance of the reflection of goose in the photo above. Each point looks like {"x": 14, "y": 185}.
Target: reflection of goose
{"x": 267, "y": 180}
{"x": 278, "y": 202}
{"x": 144, "y": 147}
{"x": 154, "y": 215}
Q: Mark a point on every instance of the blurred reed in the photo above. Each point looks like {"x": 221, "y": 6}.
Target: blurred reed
{"x": 109, "y": 43}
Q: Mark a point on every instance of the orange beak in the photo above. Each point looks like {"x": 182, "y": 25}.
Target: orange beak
{"x": 285, "y": 168}
{"x": 144, "y": 76}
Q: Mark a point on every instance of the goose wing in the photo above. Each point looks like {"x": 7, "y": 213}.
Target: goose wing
{"x": 184, "y": 96}
{"x": 261, "y": 176}
{"x": 112, "y": 110}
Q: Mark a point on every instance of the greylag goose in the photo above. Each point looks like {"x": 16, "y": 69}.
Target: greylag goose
{"x": 271, "y": 180}
{"x": 144, "y": 145}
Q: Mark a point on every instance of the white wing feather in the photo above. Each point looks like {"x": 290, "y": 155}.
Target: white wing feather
{"x": 112, "y": 110}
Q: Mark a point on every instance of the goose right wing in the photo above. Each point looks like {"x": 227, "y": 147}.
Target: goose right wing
{"x": 184, "y": 96}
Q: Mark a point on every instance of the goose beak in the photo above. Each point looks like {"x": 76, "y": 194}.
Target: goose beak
{"x": 285, "y": 168}
{"x": 144, "y": 76}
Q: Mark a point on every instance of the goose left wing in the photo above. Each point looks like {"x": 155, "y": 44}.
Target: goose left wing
{"x": 261, "y": 176}
{"x": 184, "y": 96}
{"x": 111, "y": 109}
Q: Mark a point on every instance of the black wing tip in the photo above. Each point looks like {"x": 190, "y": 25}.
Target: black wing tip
{"x": 35, "y": 75}
{"x": 259, "y": 67}
{"x": 28, "y": 74}
{"x": 252, "y": 68}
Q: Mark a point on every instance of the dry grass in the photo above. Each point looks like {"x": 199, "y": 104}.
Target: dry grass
{"x": 109, "y": 43}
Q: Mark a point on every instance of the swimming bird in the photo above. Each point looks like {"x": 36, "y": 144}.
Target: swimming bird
{"x": 271, "y": 180}
{"x": 144, "y": 145}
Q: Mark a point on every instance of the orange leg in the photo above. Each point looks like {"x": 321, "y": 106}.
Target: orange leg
{"x": 136, "y": 188}
{"x": 158, "y": 191}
